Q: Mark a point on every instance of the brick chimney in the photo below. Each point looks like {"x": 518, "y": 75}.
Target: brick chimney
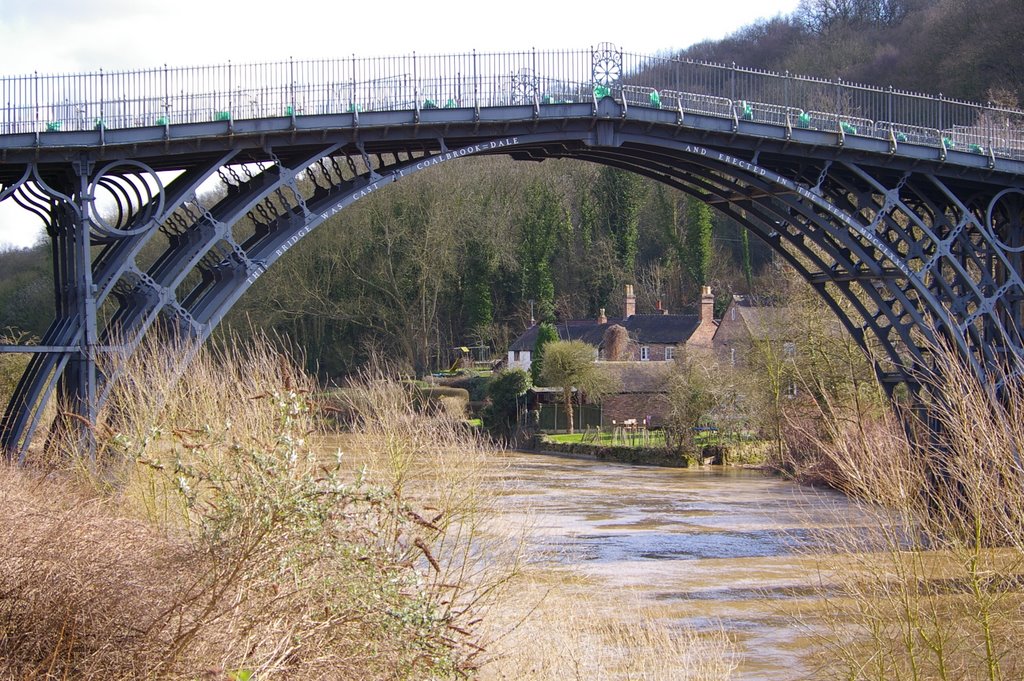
{"x": 659, "y": 309}
{"x": 707, "y": 305}
{"x": 601, "y": 318}
{"x": 630, "y": 302}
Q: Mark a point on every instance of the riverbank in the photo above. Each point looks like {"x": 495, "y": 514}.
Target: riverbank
{"x": 745, "y": 454}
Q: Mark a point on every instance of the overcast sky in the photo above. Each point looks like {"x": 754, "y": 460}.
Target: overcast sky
{"x": 57, "y": 36}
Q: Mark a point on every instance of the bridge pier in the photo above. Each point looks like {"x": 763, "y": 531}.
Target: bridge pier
{"x": 65, "y": 362}
{"x": 77, "y": 389}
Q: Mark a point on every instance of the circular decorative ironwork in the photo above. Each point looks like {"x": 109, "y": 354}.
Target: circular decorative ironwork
{"x": 607, "y": 64}
{"x": 135, "y": 193}
{"x": 990, "y": 226}
{"x": 524, "y": 85}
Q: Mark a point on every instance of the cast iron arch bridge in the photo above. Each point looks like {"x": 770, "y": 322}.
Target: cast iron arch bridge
{"x": 903, "y": 210}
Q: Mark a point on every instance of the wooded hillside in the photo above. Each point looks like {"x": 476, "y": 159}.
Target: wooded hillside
{"x": 965, "y": 49}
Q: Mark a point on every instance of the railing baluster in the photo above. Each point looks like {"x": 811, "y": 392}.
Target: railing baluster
{"x": 121, "y": 99}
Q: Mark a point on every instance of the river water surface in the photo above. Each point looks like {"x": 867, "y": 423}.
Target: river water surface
{"x": 716, "y": 548}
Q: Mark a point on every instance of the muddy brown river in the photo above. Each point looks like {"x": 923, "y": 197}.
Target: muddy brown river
{"x": 714, "y": 548}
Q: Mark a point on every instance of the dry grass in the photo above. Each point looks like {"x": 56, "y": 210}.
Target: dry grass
{"x": 531, "y": 622}
{"x": 441, "y": 484}
{"x": 12, "y": 365}
{"x": 208, "y": 537}
{"x": 85, "y": 593}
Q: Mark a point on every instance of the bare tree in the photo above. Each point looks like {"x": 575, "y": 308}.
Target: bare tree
{"x": 823, "y": 15}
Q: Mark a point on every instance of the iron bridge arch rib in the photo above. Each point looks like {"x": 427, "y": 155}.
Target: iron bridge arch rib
{"x": 866, "y": 280}
{"x": 897, "y": 244}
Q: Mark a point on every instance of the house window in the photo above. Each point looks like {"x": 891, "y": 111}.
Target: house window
{"x": 789, "y": 349}
{"x": 645, "y": 353}
{"x": 670, "y": 352}
{"x": 732, "y": 356}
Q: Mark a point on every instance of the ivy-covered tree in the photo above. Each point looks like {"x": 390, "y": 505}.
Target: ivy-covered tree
{"x": 587, "y": 216}
{"x": 621, "y": 195}
{"x": 748, "y": 269}
{"x": 539, "y": 228}
{"x": 480, "y": 269}
{"x": 698, "y": 240}
{"x": 546, "y": 334}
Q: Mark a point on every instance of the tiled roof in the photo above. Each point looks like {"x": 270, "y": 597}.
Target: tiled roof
{"x": 586, "y": 330}
{"x": 768, "y": 318}
{"x": 644, "y": 328}
{"x": 662, "y": 328}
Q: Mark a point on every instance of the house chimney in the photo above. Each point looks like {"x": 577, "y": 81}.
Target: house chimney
{"x": 659, "y": 308}
{"x": 630, "y": 302}
{"x": 707, "y": 305}
{"x": 601, "y": 318}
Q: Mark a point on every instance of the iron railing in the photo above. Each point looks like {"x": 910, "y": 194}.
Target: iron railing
{"x": 168, "y": 96}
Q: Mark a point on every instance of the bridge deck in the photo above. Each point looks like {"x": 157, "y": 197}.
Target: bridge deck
{"x": 51, "y": 116}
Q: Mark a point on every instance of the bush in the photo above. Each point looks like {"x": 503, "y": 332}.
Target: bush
{"x": 507, "y": 391}
{"x": 440, "y": 397}
{"x": 653, "y": 456}
{"x": 475, "y": 384}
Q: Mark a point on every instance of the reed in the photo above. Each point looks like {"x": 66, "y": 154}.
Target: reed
{"x": 926, "y": 583}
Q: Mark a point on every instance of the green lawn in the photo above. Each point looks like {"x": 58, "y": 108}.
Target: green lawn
{"x": 650, "y": 438}
{"x": 637, "y": 438}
